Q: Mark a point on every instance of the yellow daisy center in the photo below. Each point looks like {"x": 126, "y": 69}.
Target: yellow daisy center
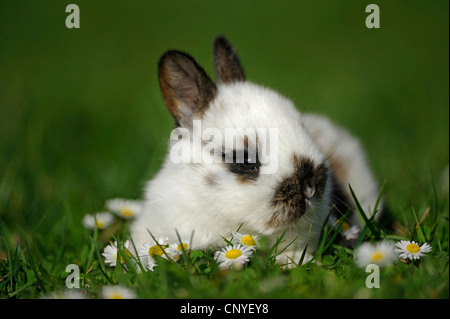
{"x": 126, "y": 212}
{"x": 233, "y": 253}
{"x": 248, "y": 240}
{"x": 155, "y": 250}
{"x": 413, "y": 248}
{"x": 378, "y": 255}
{"x": 115, "y": 296}
{"x": 99, "y": 224}
{"x": 121, "y": 258}
{"x": 182, "y": 246}
{"x": 345, "y": 226}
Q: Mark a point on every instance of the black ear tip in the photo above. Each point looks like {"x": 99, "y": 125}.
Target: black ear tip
{"x": 220, "y": 38}
{"x": 227, "y": 66}
{"x": 221, "y": 41}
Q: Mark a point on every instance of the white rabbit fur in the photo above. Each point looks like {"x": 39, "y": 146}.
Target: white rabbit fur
{"x": 210, "y": 201}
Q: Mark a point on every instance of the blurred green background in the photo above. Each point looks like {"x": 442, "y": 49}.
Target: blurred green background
{"x": 82, "y": 119}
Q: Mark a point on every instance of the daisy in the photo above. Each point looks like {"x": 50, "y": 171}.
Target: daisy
{"x": 148, "y": 252}
{"x": 349, "y": 232}
{"x": 117, "y": 292}
{"x": 381, "y": 253}
{"x": 98, "y": 220}
{"x": 110, "y": 253}
{"x": 236, "y": 255}
{"x": 245, "y": 239}
{"x": 411, "y": 250}
{"x": 124, "y": 208}
{"x": 156, "y": 249}
{"x": 175, "y": 250}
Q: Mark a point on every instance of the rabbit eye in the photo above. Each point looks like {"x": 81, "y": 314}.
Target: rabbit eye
{"x": 249, "y": 165}
{"x": 246, "y": 169}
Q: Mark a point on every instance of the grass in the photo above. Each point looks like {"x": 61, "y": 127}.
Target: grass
{"x": 197, "y": 274}
{"x": 82, "y": 121}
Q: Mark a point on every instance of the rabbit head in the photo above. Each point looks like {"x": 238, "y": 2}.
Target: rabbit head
{"x": 269, "y": 178}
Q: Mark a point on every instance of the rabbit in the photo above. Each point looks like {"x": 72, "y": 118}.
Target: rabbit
{"x": 208, "y": 201}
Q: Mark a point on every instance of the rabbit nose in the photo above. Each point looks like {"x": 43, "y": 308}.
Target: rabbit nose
{"x": 295, "y": 193}
{"x": 309, "y": 192}
{"x": 311, "y": 177}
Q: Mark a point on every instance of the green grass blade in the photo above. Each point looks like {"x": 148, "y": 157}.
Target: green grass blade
{"x": 328, "y": 244}
{"x": 380, "y": 193}
{"x": 102, "y": 266}
{"x": 287, "y": 246}
{"x": 137, "y": 259}
{"x": 302, "y": 257}
{"x": 325, "y": 232}
{"x": 375, "y": 232}
{"x": 418, "y": 228}
{"x": 35, "y": 271}
{"x": 272, "y": 250}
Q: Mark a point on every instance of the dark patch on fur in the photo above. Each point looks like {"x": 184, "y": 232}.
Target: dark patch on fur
{"x": 210, "y": 180}
{"x": 245, "y": 177}
{"x": 182, "y": 80}
{"x": 291, "y": 196}
{"x": 227, "y": 67}
{"x": 342, "y": 202}
{"x": 339, "y": 172}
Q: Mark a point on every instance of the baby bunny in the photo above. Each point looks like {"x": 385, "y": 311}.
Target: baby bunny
{"x": 283, "y": 185}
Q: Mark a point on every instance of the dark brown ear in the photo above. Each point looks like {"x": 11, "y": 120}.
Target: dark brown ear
{"x": 185, "y": 86}
{"x": 226, "y": 62}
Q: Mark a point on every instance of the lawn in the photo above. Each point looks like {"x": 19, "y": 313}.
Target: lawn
{"x": 82, "y": 120}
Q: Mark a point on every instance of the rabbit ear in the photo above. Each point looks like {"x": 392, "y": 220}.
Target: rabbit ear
{"x": 226, "y": 62}
{"x": 185, "y": 86}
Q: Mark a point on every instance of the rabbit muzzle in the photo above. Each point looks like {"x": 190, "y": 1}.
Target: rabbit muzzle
{"x": 299, "y": 192}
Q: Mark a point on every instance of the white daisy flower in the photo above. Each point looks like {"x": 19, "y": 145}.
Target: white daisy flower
{"x": 175, "y": 250}
{"x": 236, "y": 255}
{"x": 412, "y": 250}
{"x": 163, "y": 241}
{"x": 148, "y": 251}
{"x": 349, "y": 232}
{"x": 149, "y": 263}
{"x": 110, "y": 252}
{"x": 381, "y": 253}
{"x": 117, "y": 292}
{"x": 245, "y": 239}
{"x": 98, "y": 220}
{"x": 124, "y": 208}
